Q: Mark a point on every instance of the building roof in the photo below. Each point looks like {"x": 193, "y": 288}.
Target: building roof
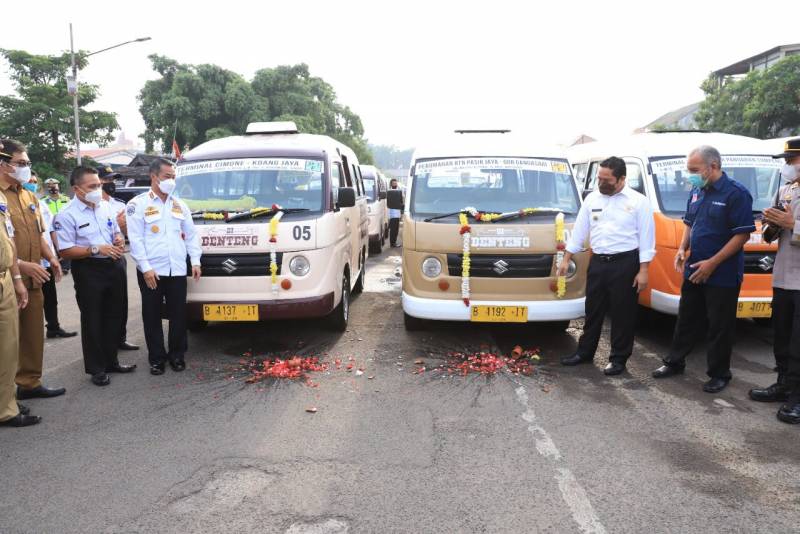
{"x": 743, "y": 66}
{"x": 674, "y": 117}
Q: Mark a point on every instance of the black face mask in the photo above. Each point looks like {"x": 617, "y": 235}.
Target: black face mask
{"x": 53, "y": 190}
{"x": 109, "y": 188}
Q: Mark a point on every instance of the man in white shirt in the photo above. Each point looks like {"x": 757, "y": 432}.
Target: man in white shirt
{"x": 394, "y": 218}
{"x": 162, "y": 234}
{"x": 618, "y": 223}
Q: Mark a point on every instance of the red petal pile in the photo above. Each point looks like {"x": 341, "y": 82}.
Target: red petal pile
{"x": 488, "y": 363}
{"x": 292, "y": 368}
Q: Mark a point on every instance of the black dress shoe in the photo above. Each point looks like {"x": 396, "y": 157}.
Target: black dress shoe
{"x": 177, "y": 365}
{"x": 613, "y": 368}
{"x": 120, "y": 368}
{"x": 574, "y": 359}
{"x": 667, "y": 370}
{"x": 157, "y": 369}
{"x": 39, "y": 393}
{"x": 20, "y": 420}
{"x": 715, "y": 385}
{"x": 777, "y": 392}
{"x": 790, "y": 412}
{"x": 24, "y": 410}
{"x": 101, "y": 379}
{"x": 60, "y": 332}
{"x": 124, "y": 345}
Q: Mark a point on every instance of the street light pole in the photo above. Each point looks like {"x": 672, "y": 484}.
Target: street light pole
{"x": 72, "y": 85}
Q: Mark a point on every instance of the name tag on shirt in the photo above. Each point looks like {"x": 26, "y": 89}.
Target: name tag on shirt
{"x": 9, "y": 228}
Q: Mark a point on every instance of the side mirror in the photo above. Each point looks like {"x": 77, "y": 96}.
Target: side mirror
{"x": 381, "y": 195}
{"x": 394, "y": 199}
{"x": 347, "y": 197}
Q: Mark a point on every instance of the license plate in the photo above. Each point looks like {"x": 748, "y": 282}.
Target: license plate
{"x": 230, "y": 312}
{"x": 499, "y": 314}
{"x": 754, "y": 309}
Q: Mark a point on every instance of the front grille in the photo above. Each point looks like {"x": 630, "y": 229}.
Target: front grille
{"x": 503, "y": 266}
{"x": 237, "y": 264}
{"x": 758, "y": 262}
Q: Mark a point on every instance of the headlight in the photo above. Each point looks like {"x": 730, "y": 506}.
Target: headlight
{"x": 571, "y": 269}
{"x": 431, "y": 267}
{"x": 299, "y": 266}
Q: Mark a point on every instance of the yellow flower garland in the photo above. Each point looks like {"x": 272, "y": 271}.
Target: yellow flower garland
{"x": 273, "y": 248}
{"x": 466, "y": 236}
{"x": 561, "y": 281}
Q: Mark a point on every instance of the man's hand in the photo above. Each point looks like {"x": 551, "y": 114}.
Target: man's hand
{"x": 564, "y": 267}
{"x": 122, "y": 222}
{"x": 56, "y": 267}
{"x": 640, "y": 282}
{"x": 777, "y": 217}
{"x": 151, "y": 278}
{"x": 112, "y": 251}
{"x": 119, "y": 241}
{"x": 196, "y": 272}
{"x": 38, "y": 273}
{"x": 22, "y": 293}
{"x": 704, "y": 271}
{"x": 680, "y": 260}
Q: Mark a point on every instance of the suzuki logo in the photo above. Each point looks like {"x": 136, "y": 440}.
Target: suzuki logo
{"x": 500, "y": 267}
{"x": 766, "y": 263}
{"x": 229, "y": 266}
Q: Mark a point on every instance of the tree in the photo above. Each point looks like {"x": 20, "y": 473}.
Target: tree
{"x": 763, "y": 104}
{"x": 391, "y": 157}
{"x": 207, "y": 102}
{"x": 40, "y": 114}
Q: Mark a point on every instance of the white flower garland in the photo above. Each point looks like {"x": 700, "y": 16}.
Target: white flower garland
{"x": 273, "y": 249}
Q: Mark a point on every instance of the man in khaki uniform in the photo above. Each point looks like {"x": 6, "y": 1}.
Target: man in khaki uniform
{"x": 11, "y": 414}
{"x": 28, "y": 228}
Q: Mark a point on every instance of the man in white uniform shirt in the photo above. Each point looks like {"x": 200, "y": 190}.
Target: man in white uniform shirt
{"x": 162, "y": 234}
{"x": 618, "y": 223}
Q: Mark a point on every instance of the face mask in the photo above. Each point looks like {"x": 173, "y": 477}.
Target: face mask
{"x": 22, "y": 175}
{"x": 789, "y": 172}
{"x": 53, "y": 190}
{"x": 697, "y": 180}
{"x": 94, "y": 196}
{"x": 167, "y": 186}
{"x": 30, "y": 187}
{"x": 110, "y": 188}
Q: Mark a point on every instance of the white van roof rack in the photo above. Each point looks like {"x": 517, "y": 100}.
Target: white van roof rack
{"x": 482, "y": 131}
{"x": 285, "y": 127}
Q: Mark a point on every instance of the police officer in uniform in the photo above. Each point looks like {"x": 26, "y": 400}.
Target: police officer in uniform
{"x": 88, "y": 234}
{"x": 107, "y": 176}
{"x": 13, "y": 296}
{"x": 618, "y": 223}
{"x": 162, "y": 235}
{"x": 24, "y": 208}
{"x": 718, "y": 222}
{"x": 786, "y": 290}
{"x": 53, "y": 199}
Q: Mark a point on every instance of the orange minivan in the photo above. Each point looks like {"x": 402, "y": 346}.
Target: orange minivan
{"x": 656, "y": 163}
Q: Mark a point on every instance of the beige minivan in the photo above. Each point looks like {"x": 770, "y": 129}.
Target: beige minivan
{"x": 376, "y": 185}
{"x": 282, "y": 219}
{"x": 485, "y": 221}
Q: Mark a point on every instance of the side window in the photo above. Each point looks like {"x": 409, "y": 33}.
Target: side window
{"x": 591, "y": 181}
{"x": 336, "y": 181}
{"x": 348, "y": 180}
{"x": 581, "y": 169}
{"x": 357, "y": 180}
{"x": 635, "y": 175}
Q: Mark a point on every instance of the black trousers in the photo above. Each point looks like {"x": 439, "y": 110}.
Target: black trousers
{"x": 609, "y": 289}
{"x": 786, "y": 324}
{"x": 123, "y": 335}
{"x": 173, "y": 290}
{"x": 394, "y": 229}
{"x": 99, "y": 288}
{"x": 700, "y": 306}
{"x": 50, "y": 302}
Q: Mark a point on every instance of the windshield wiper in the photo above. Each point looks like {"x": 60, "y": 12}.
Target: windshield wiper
{"x": 262, "y": 212}
{"x": 201, "y": 213}
{"x": 435, "y": 217}
{"x": 515, "y": 214}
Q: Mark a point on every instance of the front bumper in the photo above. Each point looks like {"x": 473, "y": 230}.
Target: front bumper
{"x": 669, "y": 303}
{"x": 302, "y": 308}
{"x": 454, "y": 310}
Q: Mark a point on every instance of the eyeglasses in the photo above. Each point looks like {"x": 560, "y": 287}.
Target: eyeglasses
{"x": 21, "y": 163}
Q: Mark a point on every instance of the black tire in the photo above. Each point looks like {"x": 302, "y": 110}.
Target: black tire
{"x": 557, "y": 326}
{"x": 341, "y": 314}
{"x": 376, "y": 247}
{"x": 197, "y": 326}
{"x": 412, "y": 324}
{"x": 763, "y": 322}
{"x": 362, "y": 274}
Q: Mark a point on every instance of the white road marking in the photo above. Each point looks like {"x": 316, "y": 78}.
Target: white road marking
{"x": 571, "y": 491}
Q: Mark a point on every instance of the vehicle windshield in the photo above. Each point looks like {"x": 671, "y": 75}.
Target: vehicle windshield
{"x": 370, "y": 186}
{"x": 497, "y": 185}
{"x": 759, "y": 174}
{"x": 243, "y": 184}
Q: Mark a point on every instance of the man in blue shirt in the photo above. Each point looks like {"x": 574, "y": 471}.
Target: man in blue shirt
{"x": 719, "y": 220}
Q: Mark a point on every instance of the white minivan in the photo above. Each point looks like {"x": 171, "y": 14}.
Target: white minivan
{"x": 282, "y": 219}
{"x": 376, "y": 186}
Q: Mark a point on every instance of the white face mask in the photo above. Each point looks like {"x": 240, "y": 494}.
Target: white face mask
{"x": 167, "y": 186}
{"x": 789, "y": 172}
{"x": 22, "y": 174}
{"x": 94, "y": 196}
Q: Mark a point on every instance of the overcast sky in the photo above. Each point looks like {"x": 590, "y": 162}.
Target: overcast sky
{"x": 411, "y": 70}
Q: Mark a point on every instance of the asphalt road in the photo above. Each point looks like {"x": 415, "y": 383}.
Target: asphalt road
{"x": 565, "y": 450}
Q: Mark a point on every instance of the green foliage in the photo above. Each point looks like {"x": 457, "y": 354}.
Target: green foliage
{"x": 207, "y": 102}
{"x": 40, "y": 114}
{"x": 391, "y": 157}
{"x": 763, "y": 104}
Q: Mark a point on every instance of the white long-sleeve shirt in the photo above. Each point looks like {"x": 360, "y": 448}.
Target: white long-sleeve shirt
{"x": 161, "y": 234}
{"x": 614, "y": 224}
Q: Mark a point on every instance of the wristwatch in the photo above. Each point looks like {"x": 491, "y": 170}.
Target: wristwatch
{"x": 95, "y": 250}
